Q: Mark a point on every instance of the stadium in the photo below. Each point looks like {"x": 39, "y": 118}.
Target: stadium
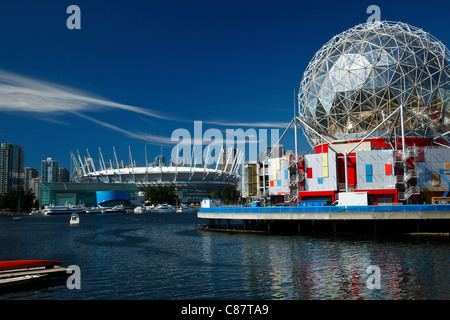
{"x": 192, "y": 182}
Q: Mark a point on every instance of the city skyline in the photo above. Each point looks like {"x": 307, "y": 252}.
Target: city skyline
{"x": 135, "y": 72}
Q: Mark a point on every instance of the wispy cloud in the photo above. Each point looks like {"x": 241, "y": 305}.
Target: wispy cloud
{"x": 19, "y": 93}
{"x": 23, "y": 94}
{"x": 138, "y": 136}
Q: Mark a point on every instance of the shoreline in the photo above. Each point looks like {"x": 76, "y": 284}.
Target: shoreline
{"x": 10, "y": 213}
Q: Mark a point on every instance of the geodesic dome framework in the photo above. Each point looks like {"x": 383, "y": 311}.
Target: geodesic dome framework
{"x": 361, "y": 76}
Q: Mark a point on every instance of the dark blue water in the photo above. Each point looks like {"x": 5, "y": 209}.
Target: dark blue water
{"x": 161, "y": 256}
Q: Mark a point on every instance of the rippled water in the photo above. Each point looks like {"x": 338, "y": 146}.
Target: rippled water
{"x": 160, "y": 256}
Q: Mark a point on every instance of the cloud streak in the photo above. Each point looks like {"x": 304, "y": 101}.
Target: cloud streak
{"x": 23, "y": 94}
{"x": 138, "y": 136}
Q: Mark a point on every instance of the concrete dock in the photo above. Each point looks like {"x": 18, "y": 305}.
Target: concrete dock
{"x": 374, "y": 218}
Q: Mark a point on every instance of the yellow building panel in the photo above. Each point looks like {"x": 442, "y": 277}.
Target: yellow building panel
{"x": 325, "y": 165}
{"x": 325, "y": 172}
{"x": 325, "y": 159}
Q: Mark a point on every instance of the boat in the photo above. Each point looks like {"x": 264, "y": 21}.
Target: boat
{"x": 17, "y": 218}
{"x": 21, "y": 264}
{"x": 93, "y": 210}
{"x": 66, "y": 209}
{"x": 139, "y": 209}
{"x": 164, "y": 208}
{"x": 115, "y": 209}
{"x": 19, "y": 273}
{"x": 36, "y": 212}
{"x": 74, "y": 219}
{"x": 185, "y": 209}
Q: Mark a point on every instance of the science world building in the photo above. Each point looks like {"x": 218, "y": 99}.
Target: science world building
{"x": 374, "y": 105}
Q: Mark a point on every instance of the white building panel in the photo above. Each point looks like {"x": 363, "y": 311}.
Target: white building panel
{"x": 371, "y": 172}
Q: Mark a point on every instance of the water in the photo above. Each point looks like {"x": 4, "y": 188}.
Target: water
{"x": 163, "y": 256}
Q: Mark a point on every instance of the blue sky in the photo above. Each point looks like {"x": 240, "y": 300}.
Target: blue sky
{"x": 138, "y": 70}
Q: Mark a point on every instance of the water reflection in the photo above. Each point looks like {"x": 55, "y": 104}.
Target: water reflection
{"x": 165, "y": 257}
{"x": 331, "y": 268}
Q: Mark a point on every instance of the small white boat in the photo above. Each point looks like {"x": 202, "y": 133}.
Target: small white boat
{"x": 74, "y": 219}
{"x": 139, "y": 209}
{"x": 164, "y": 208}
{"x": 185, "y": 209}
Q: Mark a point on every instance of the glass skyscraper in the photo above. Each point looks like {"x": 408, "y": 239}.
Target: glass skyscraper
{"x": 11, "y": 167}
{"x": 49, "y": 170}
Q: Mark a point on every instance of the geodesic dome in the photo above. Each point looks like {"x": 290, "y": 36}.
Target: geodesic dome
{"x": 361, "y": 76}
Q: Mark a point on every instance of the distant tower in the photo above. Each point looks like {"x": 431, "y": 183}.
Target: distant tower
{"x": 63, "y": 175}
{"x": 29, "y": 173}
{"x": 11, "y": 167}
{"x": 49, "y": 170}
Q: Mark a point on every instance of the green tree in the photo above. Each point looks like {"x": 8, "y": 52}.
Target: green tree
{"x": 161, "y": 194}
{"x": 230, "y": 195}
{"x": 17, "y": 199}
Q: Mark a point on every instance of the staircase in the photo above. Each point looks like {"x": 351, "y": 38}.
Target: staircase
{"x": 408, "y": 164}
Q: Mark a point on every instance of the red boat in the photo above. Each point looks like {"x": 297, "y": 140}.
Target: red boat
{"x": 21, "y": 264}
{"x": 22, "y": 272}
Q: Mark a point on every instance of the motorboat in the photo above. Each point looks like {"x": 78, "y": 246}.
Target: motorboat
{"x": 36, "y": 212}
{"x": 164, "y": 208}
{"x": 139, "y": 209}
{"x": 93, "y": 210}
{"x": 185, "y": 209}
{"x": 115, "y": 209}
{"x": 74, "y": 219}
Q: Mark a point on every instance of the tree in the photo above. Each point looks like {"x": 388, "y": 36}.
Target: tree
{"x": 161, "y": 194}
{"x": 215, "y": 194}
{"x": 230, "y": 195}
{"x": 17, "y": 199}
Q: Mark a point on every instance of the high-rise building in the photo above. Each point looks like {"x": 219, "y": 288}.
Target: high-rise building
{"x": 63, "y": 175}
{"x": 11, "y": 167}
{"x": 35, "y": 186}
{"x": 49, "y": 170}
{"x": 29, "y": 173}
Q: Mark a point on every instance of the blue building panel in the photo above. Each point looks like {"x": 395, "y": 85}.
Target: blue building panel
{"x": 107, "y": 196}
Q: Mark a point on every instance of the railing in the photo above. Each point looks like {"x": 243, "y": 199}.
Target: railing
{"x": 414, "y": 173}
{"x": 408, "y": 193}
{"x": 331, "y": 209}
